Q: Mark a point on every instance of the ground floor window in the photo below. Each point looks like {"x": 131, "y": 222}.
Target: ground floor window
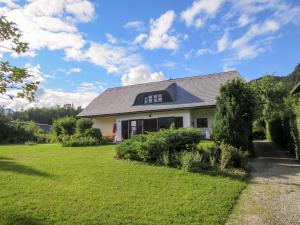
{"x": 132, "y": 127}
{"x": 202, "y": 123}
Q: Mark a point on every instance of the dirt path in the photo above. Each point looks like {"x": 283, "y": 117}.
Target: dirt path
{"x": 273, "y": 195}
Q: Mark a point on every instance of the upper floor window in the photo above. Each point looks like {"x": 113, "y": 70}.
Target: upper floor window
{"x": 149, "y": 99}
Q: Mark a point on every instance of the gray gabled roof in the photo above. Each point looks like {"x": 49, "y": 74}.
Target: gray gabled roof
{"x": 197, "y": 91}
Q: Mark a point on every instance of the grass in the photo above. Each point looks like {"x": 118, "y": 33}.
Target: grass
{"x": 48, "y": 184}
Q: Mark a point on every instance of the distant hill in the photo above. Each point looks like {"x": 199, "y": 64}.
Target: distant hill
{"x": 291, "y": 80}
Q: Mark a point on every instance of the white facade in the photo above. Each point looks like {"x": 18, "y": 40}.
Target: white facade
{"x": 189, "y": 119}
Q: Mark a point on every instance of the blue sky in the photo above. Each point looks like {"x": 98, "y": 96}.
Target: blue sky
{"x": 78, "y": 48}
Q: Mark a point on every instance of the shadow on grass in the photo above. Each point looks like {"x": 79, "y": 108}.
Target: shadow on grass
{"x": 7, "y": 164}
{"x": 20, "y": 220}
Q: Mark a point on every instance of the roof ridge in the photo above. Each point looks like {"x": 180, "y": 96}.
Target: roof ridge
{"x": 180, "y": 78}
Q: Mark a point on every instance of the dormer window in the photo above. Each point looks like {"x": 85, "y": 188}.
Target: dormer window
{"x": 156, "y": 98}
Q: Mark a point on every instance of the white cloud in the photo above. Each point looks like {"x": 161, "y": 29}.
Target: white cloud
{"x": 141, "y": 74}
{"x": 82, "y": 10}
{"x": 45, "y": 97}
{"x": 140, "y": 38}
{"x": 244, "y": 20}
{"x": 222, "y": 43}
{"x": 114, "y": 59}
{"x": 136, "y": 25}
{"x": 75, "y": 70}
{"x": 51, "y": 24}
{"x": 202, "y": 51}
{"x": 111, "y": 39}
{"x": 159, "y": 28}
{"x": 205, "y": 8}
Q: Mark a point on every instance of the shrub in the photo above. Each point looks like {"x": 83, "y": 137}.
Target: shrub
{"x": 63, "y": 126}
{"x": 93, "y": 132}
{"x": 83, "y": 124}
{"x": 153, "y": 148}
{"x": 209, "y": 152}
{"x": 233, "y": 157}
{"x": 75, "y": 141}
{"x": 163, "y": 147}
{"x": 234, "y": 114}
{"x": 227, "y": 151}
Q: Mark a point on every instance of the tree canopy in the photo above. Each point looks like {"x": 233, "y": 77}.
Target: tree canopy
{"x": 15, "y": 82}
{"x": 234, "y": 114}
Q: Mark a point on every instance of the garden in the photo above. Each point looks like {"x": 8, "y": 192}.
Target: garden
{"x": 50, "y": 184}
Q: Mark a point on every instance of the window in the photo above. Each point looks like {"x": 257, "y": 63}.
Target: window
{"x": 153, "y": 98}
{"x": 150, "y": 99}
{"x": 159, "y": 97}
{"x": 125, "y": 129}
{"x": 146, "y": 100}
{"x": 202, "y": 123}
{"x": 150, "y": 125}
{"x": 166, "y": 122}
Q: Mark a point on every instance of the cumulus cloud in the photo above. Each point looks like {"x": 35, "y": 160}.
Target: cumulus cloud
{"x": 50, "y": 24}
{"x": 111, "y": 39}
{"x": 136, "y": 25}
{"x": 159, "y": 36}
{"x": 140, "y": 38}
{"x": 245, "y": 49}
{"x": 115, "y": 59}
{"x": 141, "y": 74}
{"x": 45, "y": 97}
{"x": 199, "y": 11}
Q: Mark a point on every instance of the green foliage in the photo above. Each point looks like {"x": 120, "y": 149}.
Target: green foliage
{"x": 15, "y": 82}
{"x": 163, "y": 147}
{"x": 93, "y": 132}
{"x": 72, "y": 133}
{"x": 20, "y": 132}
{"x": 234, "y": 114}
{"x": 259, "y": 130}
{"x": 74, "y": 141}
{"x": 62, "y": 127}
{"x": 232, "y": 157}
{"x": 269, "y": 97}
{"x": 83, "y": 124}
{"x": 191, "y": 161}
{"x": 290, "y": 81}
{"x": 45, "y": 115}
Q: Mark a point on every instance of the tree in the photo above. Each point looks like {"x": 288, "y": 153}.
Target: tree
{"x": 15, "y": 82}
{"x": 234, "y": 115}
{"x": 269, "y": 97}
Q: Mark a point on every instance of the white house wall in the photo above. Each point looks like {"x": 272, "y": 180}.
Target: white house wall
{"x": 203, "y": 113}
{"x": 105, "y": 124}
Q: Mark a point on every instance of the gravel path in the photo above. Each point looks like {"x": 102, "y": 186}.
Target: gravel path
{"x": 273, "y": 194}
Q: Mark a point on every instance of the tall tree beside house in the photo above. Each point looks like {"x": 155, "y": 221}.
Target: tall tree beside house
{"x": 234, "y": 115}
{"x": 15, "y": 82}
{"x": 269, "y": 97}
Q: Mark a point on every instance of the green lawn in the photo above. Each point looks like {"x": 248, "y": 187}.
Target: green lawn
{"x": 48, "y": 184}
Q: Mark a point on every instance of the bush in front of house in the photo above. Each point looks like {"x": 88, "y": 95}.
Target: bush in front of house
{"x": 75, "y": 141}
{"x": 73, "y": 133}
{"x": 162, "y": 147}
{"x": 232, "y": 157}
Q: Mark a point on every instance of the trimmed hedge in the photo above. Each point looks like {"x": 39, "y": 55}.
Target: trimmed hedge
{"x": 163, "y": 147}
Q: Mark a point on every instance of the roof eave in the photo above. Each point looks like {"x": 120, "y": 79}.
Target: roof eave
{"x": 148, "y": 111}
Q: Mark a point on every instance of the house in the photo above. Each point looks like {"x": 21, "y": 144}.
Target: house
{"x": 296, "y": 89}
{"x": 186, "y": 102}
